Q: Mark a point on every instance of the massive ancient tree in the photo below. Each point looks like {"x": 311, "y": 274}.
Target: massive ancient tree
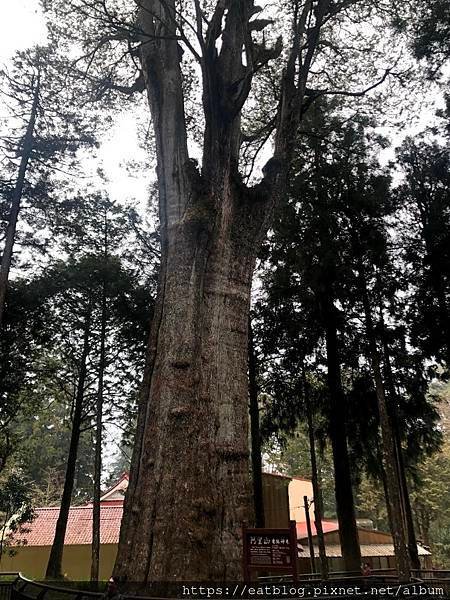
{"x": 189, "y": 490}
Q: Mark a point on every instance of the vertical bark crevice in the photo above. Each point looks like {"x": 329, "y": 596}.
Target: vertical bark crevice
{"x": 198, "y": 413}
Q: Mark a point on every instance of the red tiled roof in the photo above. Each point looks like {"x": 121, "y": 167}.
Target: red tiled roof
{"x": 302, "y": 530}
{"x": 79, "y": 526}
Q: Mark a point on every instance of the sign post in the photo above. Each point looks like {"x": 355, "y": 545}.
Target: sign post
{"x": 270, "y": 550}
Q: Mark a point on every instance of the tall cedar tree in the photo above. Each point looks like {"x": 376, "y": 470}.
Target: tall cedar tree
{"x": 108, "y": 318}
{"x": 42, "y": 127}
{"x": 336, "y": 235}
{"x": 425, "y": 191}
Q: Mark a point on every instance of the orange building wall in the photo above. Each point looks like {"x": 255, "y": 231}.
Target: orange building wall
{"x": 298, "y": 488}
{"x": 32, "y": 561}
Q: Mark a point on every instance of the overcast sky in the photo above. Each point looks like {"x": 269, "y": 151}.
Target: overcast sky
{"x": 21, "y": 26}
{"x": 120, "y": 146}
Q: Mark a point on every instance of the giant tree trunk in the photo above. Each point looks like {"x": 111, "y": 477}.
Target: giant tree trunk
{"x": 345, "y": 505}
{"x": 258, "y": 500}
{"x": 13, "y": 216}
{"x": 56, "y": 553}
{"x": 189, "y": 491}
{"x": 388, "y": 446}
{"x": 192, "y": 486}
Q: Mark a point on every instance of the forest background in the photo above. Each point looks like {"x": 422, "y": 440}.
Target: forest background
{"x": 367, "y": 221}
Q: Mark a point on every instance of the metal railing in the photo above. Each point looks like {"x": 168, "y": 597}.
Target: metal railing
{"x": 21, "y": 588}
{"x": 14, "y": 586}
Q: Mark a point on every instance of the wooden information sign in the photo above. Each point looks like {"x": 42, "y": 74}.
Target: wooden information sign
{"x": 270, "y": 550}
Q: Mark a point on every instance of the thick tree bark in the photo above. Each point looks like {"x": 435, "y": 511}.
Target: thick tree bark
{"x": 56, "y": 553}
{"x": 388, "y": 446}
{"x": 13, "y": 216}
{"x": 95, "y": 550}
{"x": 255, "y": 434}
{"x": 345, "y": 504}
{"x": 317, "y": 491}
{"x": 189, "y": 491}
{"x": 197, "y": 411}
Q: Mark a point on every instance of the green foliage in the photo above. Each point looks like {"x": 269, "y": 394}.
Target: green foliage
{"x": 428, "y": 24}
{"x": 46, "y": 348}
{"x": 20, "y": 354}
{"x": 431, "y": 504}
{"x": 15, "y": 510}
{"x": 41, "y": 455}
{"x": 425, "y": 193}
{"x": 290, "y": 455}
{"x": 67, "y": 292}
{"x": 62, "y": 128}
{"x": 371, "y": 503}
{"x": 334, "y": 226}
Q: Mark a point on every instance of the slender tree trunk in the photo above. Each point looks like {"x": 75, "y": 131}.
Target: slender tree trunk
{"x": 388, "y": 446}
{"x": 345, "y": 504}
{"x": 392, "y": 407}
{"x": 425, "y": 526}
{"x": 258, "y": 499}
{"x": 95, "y": 552}
{"x": 407, "y": 509}
{"x": 317, "y": 492}
{"x": 13, "y": 216}
{"x": 56, "y": 553}
{"x": 385, "y": 489}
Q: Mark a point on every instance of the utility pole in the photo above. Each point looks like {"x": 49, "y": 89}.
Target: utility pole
{"x": 310, "y": 540}
{"x": 317, "y": 492}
